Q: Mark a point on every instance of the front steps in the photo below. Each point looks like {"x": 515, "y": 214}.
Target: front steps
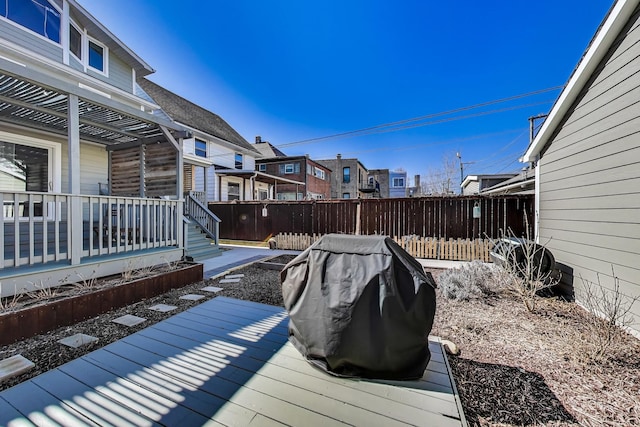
{"x": 198, "y": 245}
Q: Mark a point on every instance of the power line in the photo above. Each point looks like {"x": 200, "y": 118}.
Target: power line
{"x": 397, "y": 124}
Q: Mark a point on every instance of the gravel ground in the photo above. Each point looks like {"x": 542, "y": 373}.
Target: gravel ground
{"x": 515, "y": 368}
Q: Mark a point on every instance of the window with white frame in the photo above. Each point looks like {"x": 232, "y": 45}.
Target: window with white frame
{"x": 75, "y": 41}
{"x": 200, "y": 148}
{"x": 262, "y": 167}
{"x": 289, "y": 168}
{"x": 39, "y": 16}
{"x": 97, "y": 58}
{"x": 319, "y": 173}
{"x": 239, "y": 161}
{"x": 29, "y": 165}
{"x": 398, "y": 182}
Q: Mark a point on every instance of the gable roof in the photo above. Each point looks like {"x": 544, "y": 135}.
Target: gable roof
{"x": 99, "y": 31}
{"x": 268, "y": 150}
{"x": 616, "y": 19}
{"x": 187, "y": 113}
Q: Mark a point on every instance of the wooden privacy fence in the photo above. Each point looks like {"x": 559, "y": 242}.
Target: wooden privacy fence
{"x": 436, "y": 217}
{"x": 418, "y": 247}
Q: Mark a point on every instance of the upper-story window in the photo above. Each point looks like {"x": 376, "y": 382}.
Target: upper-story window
{"x": 200, "y": 148}
{"x": 289, "y": 168}
{"x": 319, "y": 173}
{"x": 239, "y": 162}
{"x": 398, "y": 182}
{"x": 97, "y": 56}
{"x": 39, "y": 16}
{"x": 75, "y": 41}
{"x": 346, "y": 175}
{"x": 262, "y": 167}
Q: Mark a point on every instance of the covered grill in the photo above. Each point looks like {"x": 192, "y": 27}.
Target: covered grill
{"x": 360, "y": 306}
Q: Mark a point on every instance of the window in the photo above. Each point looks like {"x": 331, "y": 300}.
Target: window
{"x": 39, "y": 16}
{"x": 346, "y": 195}
{"x": 370, "y": 180}
{"x": 239, "y": 162}
{"x": 319, "y": 173}
{"x": 28, "y": 164}
{"x": 262, "y": 168}
{"x": 201, "y": 148}
{"x": 97, "y": 56}
{"x": 398, "y": 182}
{"x": 346, "y": 175}
{"x": 263, "y": 194}
{"x": 75, "y": 42}
{"x": 289, "y": 168}
{"x": 233, "y": 191}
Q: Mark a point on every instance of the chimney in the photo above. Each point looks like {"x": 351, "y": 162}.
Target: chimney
{"x": 417, "y": 181}
{"x": 338, "y": 156}
{"x": 258, "y": 139}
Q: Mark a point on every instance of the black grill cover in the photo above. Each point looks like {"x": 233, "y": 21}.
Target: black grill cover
{"x": 360, "y": 306}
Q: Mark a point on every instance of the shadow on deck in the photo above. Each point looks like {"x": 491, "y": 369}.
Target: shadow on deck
{"x": 223, "y": 362}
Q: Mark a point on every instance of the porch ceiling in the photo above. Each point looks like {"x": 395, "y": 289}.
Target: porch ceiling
{"x": 29, "y": 104}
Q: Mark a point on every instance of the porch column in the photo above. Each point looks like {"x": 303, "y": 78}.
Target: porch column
{"x": 74, "y": 222}
{"x": 180, "y": 170}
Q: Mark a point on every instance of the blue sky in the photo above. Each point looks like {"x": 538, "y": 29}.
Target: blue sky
{"x": 291, "y": 71}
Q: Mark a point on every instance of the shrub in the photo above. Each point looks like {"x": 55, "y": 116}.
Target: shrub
{"x": 471, "y": 281}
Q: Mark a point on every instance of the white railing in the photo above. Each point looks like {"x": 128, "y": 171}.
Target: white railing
{"x": 43, "y": 227}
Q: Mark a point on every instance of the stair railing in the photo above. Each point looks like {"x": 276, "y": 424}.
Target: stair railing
{"x": 197, "y": 212}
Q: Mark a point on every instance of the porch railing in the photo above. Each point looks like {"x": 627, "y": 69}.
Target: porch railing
{"x": 197, "y": 211}
{"x": 40, "y": 228}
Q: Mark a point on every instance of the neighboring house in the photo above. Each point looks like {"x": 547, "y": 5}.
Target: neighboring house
{"x": 522, "y": 183}
{"x": 474, "y": 184}
{"x": 315, "y": 178}
{"x": 347, "y": 177}
{"x": 377, "y": 185}
{"x": 218, "y": 163}
{"x": 398, "y": 183}
{"x": 90, "y": 178}
{"x": 266, "y": 149}
{"x": 587, "y": 162}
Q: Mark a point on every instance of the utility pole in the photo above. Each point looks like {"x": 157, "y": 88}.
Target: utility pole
{"x": 459, "y": 156}
{"x": 532, "y": 121}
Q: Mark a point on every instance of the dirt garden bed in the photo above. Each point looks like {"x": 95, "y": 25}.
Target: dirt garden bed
{"x": 515, "y": 367}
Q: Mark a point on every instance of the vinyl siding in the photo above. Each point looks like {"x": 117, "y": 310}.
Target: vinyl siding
{"x": 30, "y": 40}
{"x": 94, "y": 165}
{"x": 590, "y": 175}
{"x": 75, "y": 64}
{"x": 119, "y": 76}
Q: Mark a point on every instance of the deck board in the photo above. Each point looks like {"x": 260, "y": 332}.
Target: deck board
{"x": 224, "y": 362}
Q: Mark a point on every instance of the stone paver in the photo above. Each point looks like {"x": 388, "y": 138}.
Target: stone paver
{"x": 77, "y": 340}
{"x": 230, "y": 281}
{"x": 192, "y": 297}
{"x": 234, "y": 276}
{"x": 213, "y": 289}
{"x": 14, "y": 365}
{"x": 129, "y": 320}
{"x": 163, "y": 308}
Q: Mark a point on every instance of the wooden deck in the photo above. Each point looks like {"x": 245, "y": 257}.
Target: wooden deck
{"x": 224, "y": 362}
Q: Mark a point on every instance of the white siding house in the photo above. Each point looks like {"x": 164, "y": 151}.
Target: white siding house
{"x": 587, "y": 162}
{"x": 76, "y": 186}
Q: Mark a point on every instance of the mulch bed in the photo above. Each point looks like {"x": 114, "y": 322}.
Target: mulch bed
{"x": 515, "y": 367}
